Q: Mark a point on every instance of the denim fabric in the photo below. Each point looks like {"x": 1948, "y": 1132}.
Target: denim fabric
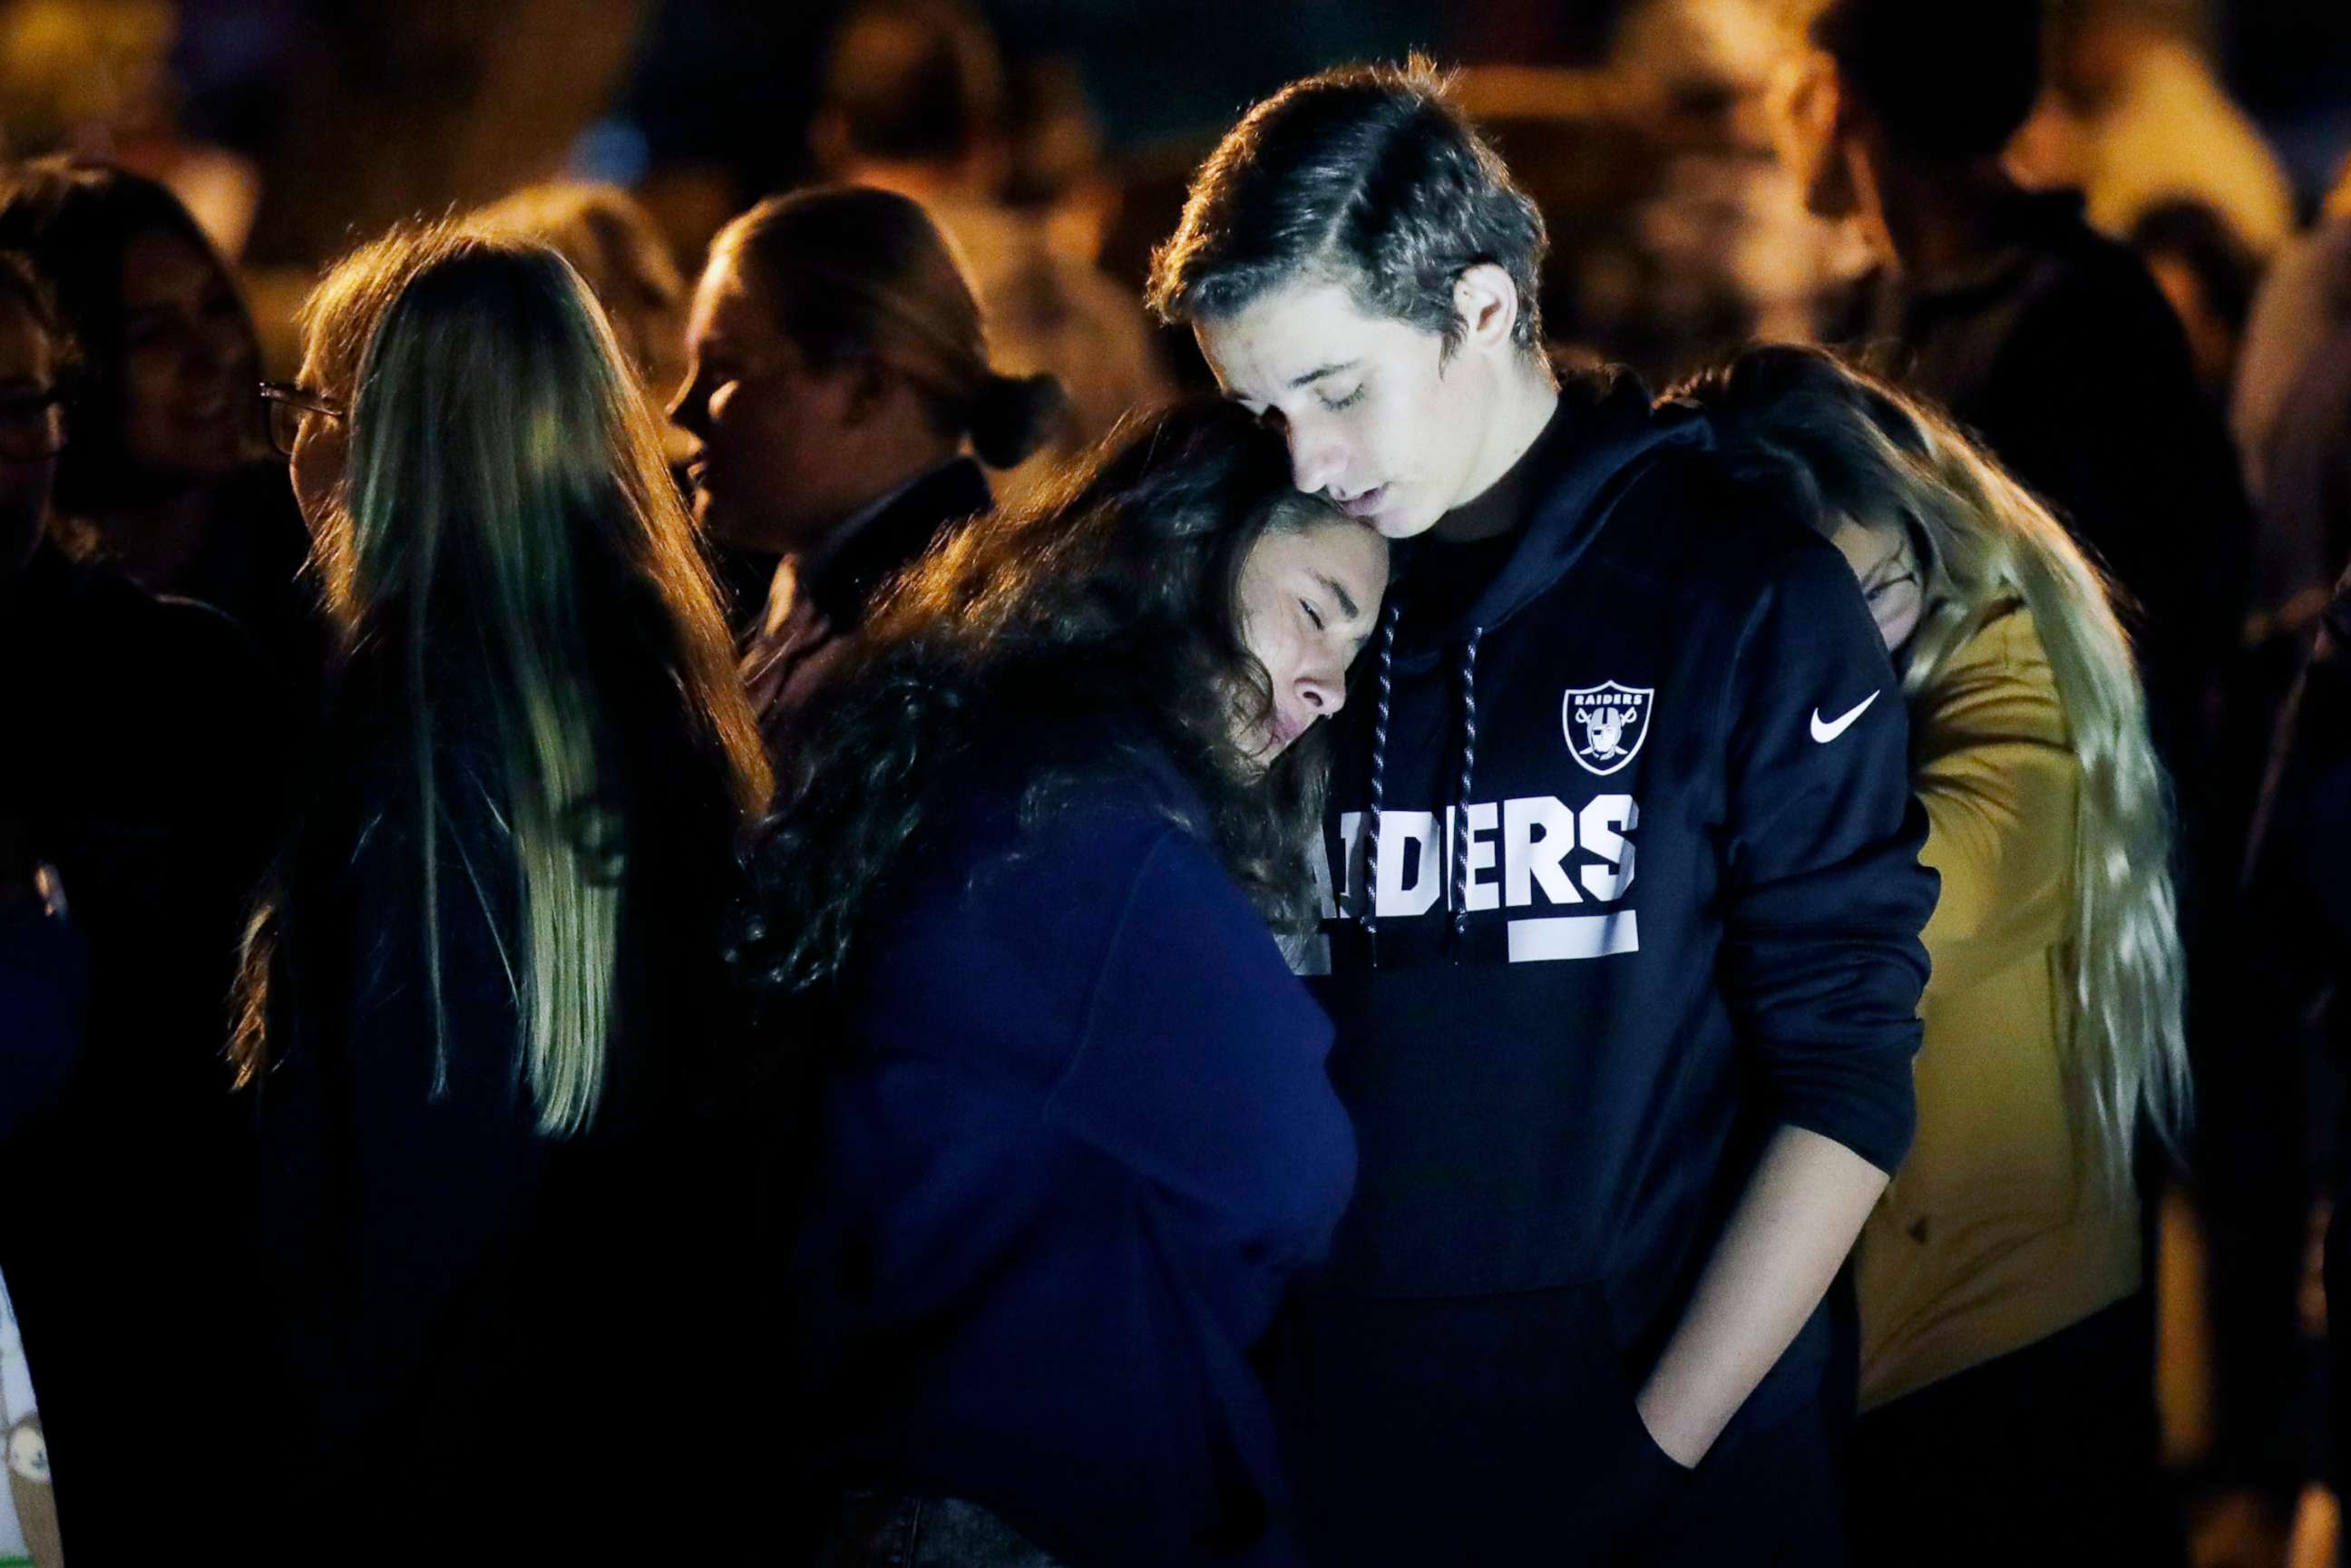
{"x": 886, "y": 1529}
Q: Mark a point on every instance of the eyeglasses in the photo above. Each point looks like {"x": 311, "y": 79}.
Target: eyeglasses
{"x": 1905, "y": 563}
{"x": 288, "y": 405}
{"x": 32, "y": 426}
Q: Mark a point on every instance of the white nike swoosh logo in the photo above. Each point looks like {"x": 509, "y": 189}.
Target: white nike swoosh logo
{"x": 1826, "y": 732}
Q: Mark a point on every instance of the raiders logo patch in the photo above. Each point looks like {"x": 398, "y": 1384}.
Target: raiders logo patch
{"x": 1605, "y": 724}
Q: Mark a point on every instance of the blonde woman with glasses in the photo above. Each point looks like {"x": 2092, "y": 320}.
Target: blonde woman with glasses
{"x": 485, "y": 990}
{"x": 2006, "y": 1355}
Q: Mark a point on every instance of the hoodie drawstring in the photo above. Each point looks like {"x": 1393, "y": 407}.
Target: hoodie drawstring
{"x": 1459, "y": 844}
{"x": 1368, "y": 899}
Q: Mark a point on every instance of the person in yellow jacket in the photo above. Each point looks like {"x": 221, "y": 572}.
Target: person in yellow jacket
{"x": 2006, "y": 1362}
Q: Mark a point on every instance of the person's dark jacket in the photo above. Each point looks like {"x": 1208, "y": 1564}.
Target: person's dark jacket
{"x": 1684, "y": 913}
{"x": 1076, "y": 1137}
{"x": 808, "y": 621}
{"x": 2065, "y": 357}
{"x": 251, "y": 565}
{"x": 44, "y": 993}
{"x": 2306, "y": 505}
{"x": 255, "y": 570}
{"x": 140, "y": 761}
{"x": 2296, "y": 903}
{"x": 2300, "y": 846}
{"x": 485, "y": 1341}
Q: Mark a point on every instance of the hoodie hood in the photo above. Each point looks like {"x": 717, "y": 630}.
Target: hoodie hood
{"x": 1602, "y": 437}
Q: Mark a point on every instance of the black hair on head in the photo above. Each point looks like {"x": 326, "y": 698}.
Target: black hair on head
{"x": 1367, "y": 176}
{"x": 1950, "y": 81}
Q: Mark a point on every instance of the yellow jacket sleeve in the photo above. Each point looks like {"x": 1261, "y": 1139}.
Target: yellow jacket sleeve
{"x": 2000, "y": 782}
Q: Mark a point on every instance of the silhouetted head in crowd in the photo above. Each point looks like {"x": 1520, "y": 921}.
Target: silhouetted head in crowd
{"x": 914, "y": 86}
{"x": 2098, "y": 46}
{"x": 836, "y": 352}
{"x": 1931, "y": 85}
{"x": 37, "y": 364}
{"x": 515, "y": 583}
{"x": 611, "y": 241}
{"x": 2209, "y": 276}
{"x": 166, "y": 401}
{"x": 1356, "y": 262}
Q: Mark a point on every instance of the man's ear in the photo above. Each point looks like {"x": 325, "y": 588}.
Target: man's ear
{"x": 1486, "y": 305}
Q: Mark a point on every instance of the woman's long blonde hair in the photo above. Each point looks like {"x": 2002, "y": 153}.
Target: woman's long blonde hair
{"x": 1852, "y": 447}
{"x": 508, "y": 544}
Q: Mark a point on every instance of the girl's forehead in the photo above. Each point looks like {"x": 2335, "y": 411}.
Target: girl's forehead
{"x": 1324, "y": 543}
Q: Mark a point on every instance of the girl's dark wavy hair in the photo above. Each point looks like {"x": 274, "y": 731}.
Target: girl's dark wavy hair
{"x": 1104, "y": 616}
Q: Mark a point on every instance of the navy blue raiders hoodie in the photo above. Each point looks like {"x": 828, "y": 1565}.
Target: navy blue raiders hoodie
{"x": 1643, "y": 888}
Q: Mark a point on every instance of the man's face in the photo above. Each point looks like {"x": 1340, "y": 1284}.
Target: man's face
{"x": 1378, "y": 416}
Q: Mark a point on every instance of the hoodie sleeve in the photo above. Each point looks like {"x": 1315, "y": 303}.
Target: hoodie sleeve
{"x": 1201, "y": 1063}
{"x": 2000, "y": 787}
{"x": 1826, "y": 894}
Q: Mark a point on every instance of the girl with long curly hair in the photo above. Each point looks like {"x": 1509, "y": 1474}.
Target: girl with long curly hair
{"x": 1072, "y": 1127}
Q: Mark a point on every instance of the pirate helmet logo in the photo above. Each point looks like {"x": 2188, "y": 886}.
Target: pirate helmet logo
{"x": 1605, "y": 724}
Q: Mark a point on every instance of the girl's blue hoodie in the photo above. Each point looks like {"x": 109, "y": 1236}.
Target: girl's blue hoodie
{"x": 1076, "y": 1139}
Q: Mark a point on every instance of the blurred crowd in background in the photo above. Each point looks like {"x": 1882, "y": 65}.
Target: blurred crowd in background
{"x": 1069, "y": 127}
{"x": 1052, "y": 140}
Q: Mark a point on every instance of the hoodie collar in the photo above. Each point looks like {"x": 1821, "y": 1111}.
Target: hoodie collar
{"x": 1566, "y": 484}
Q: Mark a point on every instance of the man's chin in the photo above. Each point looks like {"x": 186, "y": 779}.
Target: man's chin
{"x": 1403, "y": 521}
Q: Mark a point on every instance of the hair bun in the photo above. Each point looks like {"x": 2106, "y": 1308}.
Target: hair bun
{"x": 1012, "y": 416}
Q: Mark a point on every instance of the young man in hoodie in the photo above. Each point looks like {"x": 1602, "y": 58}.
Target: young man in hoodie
{"x": 1623, "y": 957}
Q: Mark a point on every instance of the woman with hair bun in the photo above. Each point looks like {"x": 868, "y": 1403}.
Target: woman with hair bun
{"x": 839, "y": 387}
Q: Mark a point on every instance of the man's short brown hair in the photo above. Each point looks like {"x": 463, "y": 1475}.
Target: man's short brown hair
{"x": 1366, "y": 176}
